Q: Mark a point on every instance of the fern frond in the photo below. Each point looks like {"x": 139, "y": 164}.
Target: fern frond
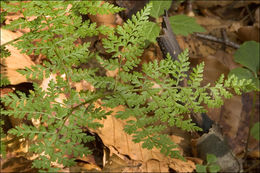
{"x": 152, "y": 98}
{"x": 131, "y": 38}
{"x": 96, "y": 7}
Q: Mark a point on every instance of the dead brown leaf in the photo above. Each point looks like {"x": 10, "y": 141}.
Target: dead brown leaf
{"x": 213, "y": 69}
{"x": 17, "y": 164}
{"x": 210, "y": 23}
{"x": 223, "y": 3}
{"x": 248, "y": 33}
{"x": 226, "y": 59}
{"x": 15, "y": 61}
{"x": 120, "y": 143}
{"x": 111, "y": 20}
{"x": 231, "y": 116}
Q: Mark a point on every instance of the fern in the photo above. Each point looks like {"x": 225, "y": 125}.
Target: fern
{"x": 60, "y": 133}
{"x": 3, "y": 79}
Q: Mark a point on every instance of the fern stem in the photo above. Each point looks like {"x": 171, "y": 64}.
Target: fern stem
{"x": 118, "y": 75}
{"x": 90, "y": 101}
{"x": 65, "y": 70}
{"x": 76, "y": 107}
{"x": 11, "y": 41}
{"x": 156, "y": 101}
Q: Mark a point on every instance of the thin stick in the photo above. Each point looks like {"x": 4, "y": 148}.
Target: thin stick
{"x": 249, "y": 13}
{"x": 218, "y": 40}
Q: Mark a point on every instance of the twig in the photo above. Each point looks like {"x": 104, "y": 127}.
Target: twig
{"x": 218, "y": 40}
{"x": 224, "y": 37}
{"x": 249, "y": 13}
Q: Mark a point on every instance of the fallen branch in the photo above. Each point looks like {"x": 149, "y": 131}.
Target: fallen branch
{"x": 218, "y": 40}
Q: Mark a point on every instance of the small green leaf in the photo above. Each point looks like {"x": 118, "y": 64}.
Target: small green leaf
{"x": 214, "y": 168}
{"x": 201, "y": 168}
{"x": 159, "y": 7}
{"x": 152, "y": 31}
{"x": 184, "y": 25}
{"x": 255, "y": 130}
{"x": 248, "y": 55}
{"x": 211, "y": 158}
{"x": 243, "y": 73}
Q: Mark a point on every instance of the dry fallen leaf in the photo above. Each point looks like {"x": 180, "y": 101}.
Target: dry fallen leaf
{"x": 226, "y": 59}
{"x": 209, "y": 4}
{"x": 114, "y": 137}
{"x": 15, "y": 61}
{"x": 111, "y": 20}
{"x": 248, "y": 33}
{"x": 210, "y": 23}
{"x": 17, "y": 164}
{"x": 213, "y": 69}
{"x": 231, "y": 116}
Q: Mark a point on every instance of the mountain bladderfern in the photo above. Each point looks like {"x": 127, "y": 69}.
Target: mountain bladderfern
{"x": 60, "y": 136}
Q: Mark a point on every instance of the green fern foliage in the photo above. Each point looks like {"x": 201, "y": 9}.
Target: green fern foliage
{"x": 4, "y": 53}
{"x": 155, "y": 97}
